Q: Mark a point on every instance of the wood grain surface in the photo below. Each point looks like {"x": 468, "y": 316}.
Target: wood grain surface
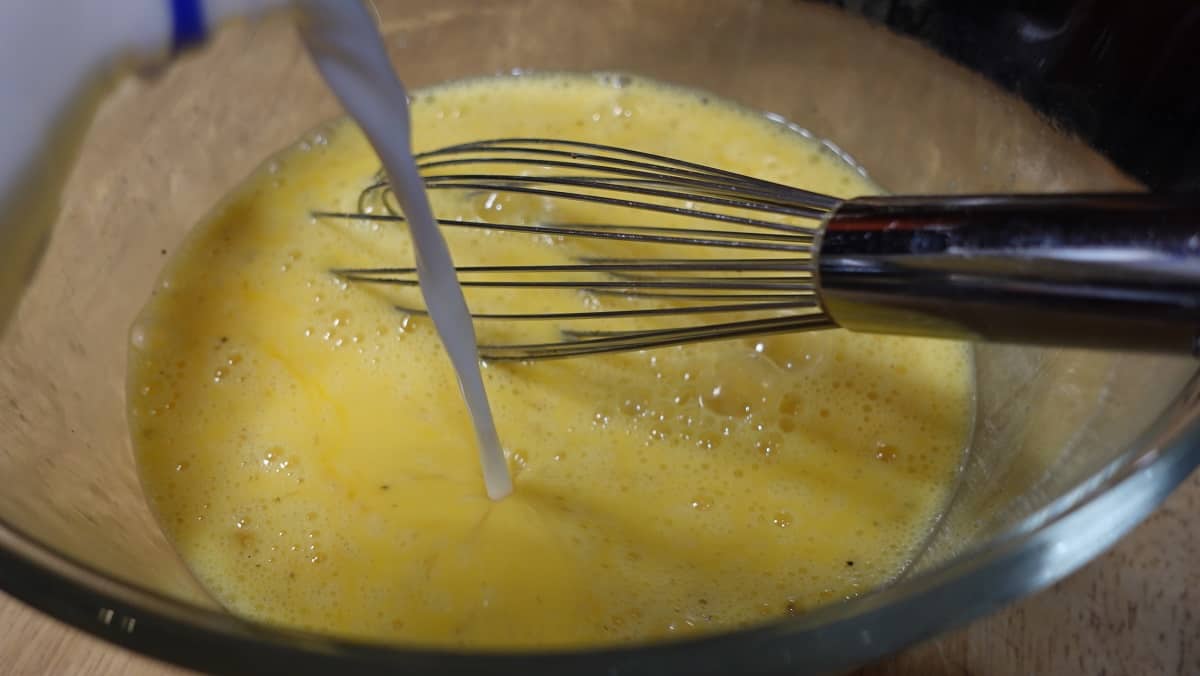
{"x": 1131, "y": 611}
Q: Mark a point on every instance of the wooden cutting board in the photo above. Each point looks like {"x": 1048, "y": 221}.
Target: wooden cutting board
{"x": 1130, "y": 612}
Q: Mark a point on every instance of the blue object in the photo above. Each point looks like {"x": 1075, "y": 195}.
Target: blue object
{"x": 187, "y": 24}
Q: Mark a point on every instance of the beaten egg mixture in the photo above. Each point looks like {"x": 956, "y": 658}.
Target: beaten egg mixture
{"x": 307, "y": 450}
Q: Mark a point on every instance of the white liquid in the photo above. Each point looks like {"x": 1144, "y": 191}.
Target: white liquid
{"x": 344, "y": 43}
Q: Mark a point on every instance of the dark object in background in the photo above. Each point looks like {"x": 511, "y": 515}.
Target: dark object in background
{"x": 1125, "y": 76}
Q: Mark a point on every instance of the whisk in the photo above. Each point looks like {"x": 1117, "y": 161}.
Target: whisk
{"x": 1110, "y": 271}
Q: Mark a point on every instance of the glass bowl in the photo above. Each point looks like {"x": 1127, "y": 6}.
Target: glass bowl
{"x": 1071, "y": 449}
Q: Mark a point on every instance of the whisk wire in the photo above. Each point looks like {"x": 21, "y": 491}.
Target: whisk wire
{"x": 645, "y": 183}
{"x": 788, "y": 196}
{"x": 642, "y": 312}
{"x": 511, "y": 184}
{"x": 643, "y": 340}
{"x": 644, "y": 234}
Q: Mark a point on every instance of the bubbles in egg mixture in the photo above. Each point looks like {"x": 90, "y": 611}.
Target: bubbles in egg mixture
{"x": 305, "y": 447}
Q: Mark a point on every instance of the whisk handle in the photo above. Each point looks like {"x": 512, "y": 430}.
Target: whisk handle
{"x": 1112, "y": 271}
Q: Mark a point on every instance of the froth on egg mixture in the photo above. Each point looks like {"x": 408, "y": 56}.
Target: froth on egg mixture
{"x": 307, "y": 450}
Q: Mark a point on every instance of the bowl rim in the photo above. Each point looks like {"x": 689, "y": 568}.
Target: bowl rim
{"x": 1041, "y": 549}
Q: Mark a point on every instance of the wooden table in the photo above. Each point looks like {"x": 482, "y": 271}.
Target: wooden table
{"x": 1130, "y": 612}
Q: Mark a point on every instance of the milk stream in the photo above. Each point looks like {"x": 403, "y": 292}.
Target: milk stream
{"x": 347, "y": 48}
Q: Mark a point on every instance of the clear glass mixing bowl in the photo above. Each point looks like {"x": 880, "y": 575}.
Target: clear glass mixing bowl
{"x": 1071, "y": 449}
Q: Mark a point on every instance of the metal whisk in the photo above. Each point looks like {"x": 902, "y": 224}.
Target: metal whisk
{"x": 1114, "y": 271}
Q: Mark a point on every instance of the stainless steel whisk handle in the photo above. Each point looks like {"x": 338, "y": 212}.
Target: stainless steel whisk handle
{"x": 1114, "y": 271}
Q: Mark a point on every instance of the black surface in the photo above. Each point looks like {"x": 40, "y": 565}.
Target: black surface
{"x": 1123, "y": 75}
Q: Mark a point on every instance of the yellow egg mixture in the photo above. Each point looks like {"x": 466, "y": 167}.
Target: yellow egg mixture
{"x": 307, "y": 450}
